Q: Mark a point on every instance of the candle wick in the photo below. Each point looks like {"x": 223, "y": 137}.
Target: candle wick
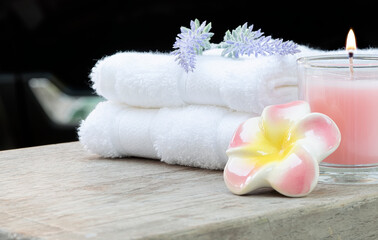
{"x": 351, "y": 64}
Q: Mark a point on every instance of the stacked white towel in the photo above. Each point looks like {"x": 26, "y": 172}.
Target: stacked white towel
{"x": 192, "y": 135}
{"x": 154, "y": 109}
{"x": 155, "y": 80}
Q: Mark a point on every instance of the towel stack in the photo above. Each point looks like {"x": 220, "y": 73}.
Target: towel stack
{"x": 154, "y": 109}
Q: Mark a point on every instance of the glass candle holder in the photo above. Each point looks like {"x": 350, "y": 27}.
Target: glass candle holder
{"x": 346, "y": 90}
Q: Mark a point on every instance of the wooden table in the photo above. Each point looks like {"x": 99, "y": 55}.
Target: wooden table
{"x": 62, "y": 192}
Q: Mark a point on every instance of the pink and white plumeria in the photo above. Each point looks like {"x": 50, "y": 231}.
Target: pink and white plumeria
{"x": 281, "y": 149}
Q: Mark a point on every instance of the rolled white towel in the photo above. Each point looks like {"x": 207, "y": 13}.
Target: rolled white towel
{"x": 155, "y": 80}
{"x": 194, "y": 135}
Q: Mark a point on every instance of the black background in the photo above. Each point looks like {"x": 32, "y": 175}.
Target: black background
{"x": 67, "y": 37}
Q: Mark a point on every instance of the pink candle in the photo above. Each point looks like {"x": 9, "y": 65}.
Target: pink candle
{"x": 347, "y": 92}
{"x": 353, "y": 105}
{"x": 345, "y": 88}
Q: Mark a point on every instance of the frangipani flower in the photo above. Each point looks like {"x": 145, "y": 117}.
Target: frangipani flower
{"x": 281, "y": 149}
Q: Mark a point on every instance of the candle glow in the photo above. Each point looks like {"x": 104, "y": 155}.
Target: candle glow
{"x": 351, "y": 41}
{"x": 350, "y": 47}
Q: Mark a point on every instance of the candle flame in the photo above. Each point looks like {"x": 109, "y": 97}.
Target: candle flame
{"x": 351, "y": 41}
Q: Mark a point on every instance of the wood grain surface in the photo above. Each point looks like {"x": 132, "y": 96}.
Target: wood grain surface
{"x": 62, "y": 192}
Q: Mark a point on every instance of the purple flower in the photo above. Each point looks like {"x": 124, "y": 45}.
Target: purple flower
{"x": 240, "y": 41}
{"x": 244, "y": 41}
{"x": 191, "y": 42}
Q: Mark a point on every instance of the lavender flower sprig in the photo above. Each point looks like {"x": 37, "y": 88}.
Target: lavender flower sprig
{"x": 192, "y": 42}
{"x": 240, "y": 41}
{"x": 244, "y": 41}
